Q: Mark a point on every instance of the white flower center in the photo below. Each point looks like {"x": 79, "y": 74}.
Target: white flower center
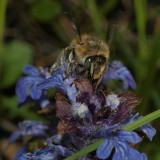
{"x": 113, "y": 101}
{"x": 79, "y": 109}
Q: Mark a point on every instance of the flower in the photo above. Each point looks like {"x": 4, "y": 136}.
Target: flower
{"x": 118, "y": 140}
{"x": 82, "y": 115}
{"x": 117, "y": 71}
{"x": 29, "y": 128}
{"x": 79, "y": 110}
{"x": 58, "y": 81}
{"x": 49, "y": 153}
{"x": 147, "y": 129}
{"x": 113, "y": 101}
{"x": 44, "y": 154}
{"x": 27, "y": 86}
{"x": 20, "y": 153}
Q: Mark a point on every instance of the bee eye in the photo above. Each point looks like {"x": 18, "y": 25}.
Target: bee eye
{"x": 101, "y": 60}
{"x": 87, "y": 63}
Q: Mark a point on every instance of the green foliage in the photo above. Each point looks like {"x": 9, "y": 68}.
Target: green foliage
{"x": 45, "y": 10}
{"x": 2, "y": 22}
{"x": 15, "y": 55}
{"x": 134, "y": 46}
{"x": 96, "y": 18}
{"x": 11, "y": 103}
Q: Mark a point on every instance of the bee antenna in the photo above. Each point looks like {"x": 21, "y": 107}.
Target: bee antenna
{"x": 74, "y": 26}
{"x": 78, "y": 33}
{"x": 112, "y": 28}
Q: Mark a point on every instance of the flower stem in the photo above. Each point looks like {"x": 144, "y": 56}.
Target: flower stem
{"x": 86, "y": 150}
{"x": 148, "y": 118}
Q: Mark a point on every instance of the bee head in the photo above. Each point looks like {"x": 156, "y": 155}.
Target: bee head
{"x": 92, "y": 55}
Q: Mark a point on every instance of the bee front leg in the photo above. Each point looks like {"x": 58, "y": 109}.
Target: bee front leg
{"x": 53, "y": 68}
{"x": 96, "y": 82}
{"x": 69, "y": 69}
{"x": 72, "y": 66}
{"x": 77, "y": 69}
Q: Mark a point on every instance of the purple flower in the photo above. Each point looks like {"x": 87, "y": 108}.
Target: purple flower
{"x": 117, "y": 71}
{"x": 49, "y": 153}
{"x": 44, "y": 102}
{"x": 58, "y": 81}
{"x": 20, "y": 153}
{"x": 56, "y": 139}
{"x": 44, "y": 154}
{"x": 60, "y": 150}
{"x": 82, "y": 115}
{"x": 27, "y": 86}
{"x": 118, "y": 140}
{"x": 147, "y": 128}
{"x": 29, "y": 128}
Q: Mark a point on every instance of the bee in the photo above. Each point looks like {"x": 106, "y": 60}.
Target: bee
{"x": 87, "y": 56}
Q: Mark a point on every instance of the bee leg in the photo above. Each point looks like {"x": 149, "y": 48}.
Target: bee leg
{"x": 72, "y": 68}
{"x": 77, "y": 70}
{"x": 97, "y": 84}
{"x": 71, "y": 57}
{"x": 69, "y": 68}
{"x": 71, "y": 62}
{"x": 53, "y": 68}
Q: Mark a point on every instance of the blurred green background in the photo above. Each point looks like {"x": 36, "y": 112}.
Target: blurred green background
{"x": 33, "y": 31}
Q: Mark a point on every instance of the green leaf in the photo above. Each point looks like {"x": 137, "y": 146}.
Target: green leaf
{"x": 15, "y": 55}
{"x": 141, "y": 18}
{"x": 45, "y": 10}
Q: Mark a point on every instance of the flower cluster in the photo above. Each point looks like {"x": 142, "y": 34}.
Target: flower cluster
{"x": 82, "y": 116}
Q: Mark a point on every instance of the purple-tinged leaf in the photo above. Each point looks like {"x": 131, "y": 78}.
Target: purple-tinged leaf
{"x": 65, "y": 126}
{"x": 128, "y": 102}
{"x": 87, "y": 96}
{"x": 63, "y": 107}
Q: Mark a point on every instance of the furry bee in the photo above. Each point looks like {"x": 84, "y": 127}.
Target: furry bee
{"x": 87, "y": 56}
